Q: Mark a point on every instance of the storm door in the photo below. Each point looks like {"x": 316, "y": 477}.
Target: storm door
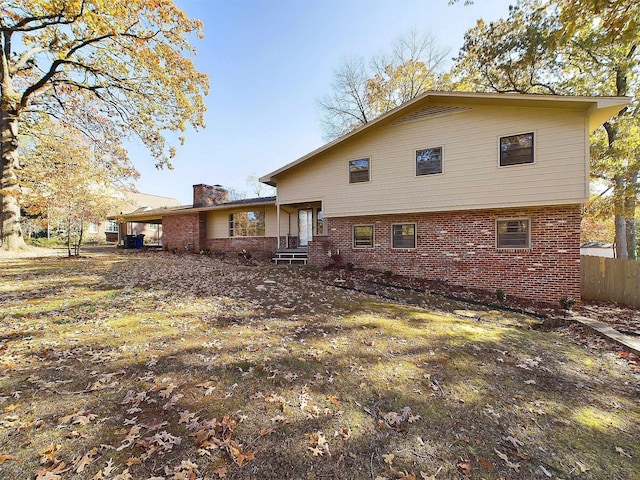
{"x": 305, "y": 226}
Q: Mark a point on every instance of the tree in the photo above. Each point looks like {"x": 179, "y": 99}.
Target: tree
{"x": 360, "y": 93}
{"x": 120, "y": 67}
{"x": 68, "y": 181}
{"x": 565, "y": 47}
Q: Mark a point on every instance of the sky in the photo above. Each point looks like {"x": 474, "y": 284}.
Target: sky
{"x": 268, "y": 62}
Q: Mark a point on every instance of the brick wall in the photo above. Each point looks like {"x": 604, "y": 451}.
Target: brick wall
{"x": 181, "y": 230}
{"x": 459, "y": 248}
{"x": 259, "y": 247}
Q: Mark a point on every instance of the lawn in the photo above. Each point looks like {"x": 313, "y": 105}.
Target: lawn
{"x": 139, "y": 365}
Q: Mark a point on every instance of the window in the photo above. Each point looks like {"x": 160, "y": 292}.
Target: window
{"x": 247, "y": 224}
{"x": 111, "y": 226}
{"x": 93, "y": 228}
{"x": 359, "y": 170}
{"x": 516, "y": 149}
{"x": 429, "y": 161}
{"x": 363, "y": 236}
{"x": 319, "y": 222}
{"x": 404, "y": 235}
{"x": 513, "y": 233}
{"x": 153, "y": 227}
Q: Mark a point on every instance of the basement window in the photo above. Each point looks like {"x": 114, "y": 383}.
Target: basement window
{"x": 404, "y": 235}
{"x": 363, "y": 236}
{"x": 513, "y": 233}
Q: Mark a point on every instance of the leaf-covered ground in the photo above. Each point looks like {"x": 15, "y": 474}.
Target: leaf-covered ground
{"x": 138, "y": 365}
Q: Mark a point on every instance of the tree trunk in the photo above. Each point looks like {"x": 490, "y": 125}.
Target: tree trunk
{"x": 621, "y": 237}
{"x": 69, "y": 237}
{"x": 10, "y": 232}
{"x": 631, "y": 238}
{"x": 630, "y": 202}
{"x": 77, "y": 246}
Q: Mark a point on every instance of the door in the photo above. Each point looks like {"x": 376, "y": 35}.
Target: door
{"x": 305, "y": 226}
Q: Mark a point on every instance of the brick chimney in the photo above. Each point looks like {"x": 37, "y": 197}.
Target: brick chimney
{"x": 208, "y": 195}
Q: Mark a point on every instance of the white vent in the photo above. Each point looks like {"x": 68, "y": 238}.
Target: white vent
{"x": 431, "y": 111}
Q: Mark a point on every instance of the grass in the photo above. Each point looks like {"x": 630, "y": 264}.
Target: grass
{"x": 180, "y": 366}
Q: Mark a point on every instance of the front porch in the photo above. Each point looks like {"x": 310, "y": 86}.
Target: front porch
{"x": 299, "y": 224}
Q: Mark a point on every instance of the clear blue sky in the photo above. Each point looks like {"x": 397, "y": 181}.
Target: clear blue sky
{"x": 268, "y": 62}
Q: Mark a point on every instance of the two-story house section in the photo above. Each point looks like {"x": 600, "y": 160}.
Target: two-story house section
{"x": 472, "y": 189}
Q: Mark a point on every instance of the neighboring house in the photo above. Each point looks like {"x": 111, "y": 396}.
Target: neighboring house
{"x": 598, "y": 249}
{"x": 471, "y": 189}
{"x": 132, "y": 202}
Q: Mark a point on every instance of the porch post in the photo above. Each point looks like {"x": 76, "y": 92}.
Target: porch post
{"x": 278, "y": 225}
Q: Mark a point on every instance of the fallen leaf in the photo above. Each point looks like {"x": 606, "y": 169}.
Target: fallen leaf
{"x": 388, "y": 458}
{"x": 85, "y": 461}
{"x": 464, "y": 467}
{"x": 486, "y": 464}
{"x": 221, "y": 472}
{"x": 545, "y": 471}
{"x": 583, "y": 468}
{"x": 618, "y": 449}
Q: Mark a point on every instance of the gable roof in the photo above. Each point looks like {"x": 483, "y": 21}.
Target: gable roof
{"x": 598, "y": 109}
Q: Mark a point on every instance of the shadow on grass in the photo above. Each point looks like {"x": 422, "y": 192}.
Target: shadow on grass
{"x": 439, "y": 393}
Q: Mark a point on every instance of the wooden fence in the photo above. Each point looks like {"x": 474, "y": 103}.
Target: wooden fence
{"x": 610, "y": 279}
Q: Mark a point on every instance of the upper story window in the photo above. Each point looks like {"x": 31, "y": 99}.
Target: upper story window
{"x": 359, "y": 170}
{"x": 247, "y": 224}
{"x": 404, "y": 235}
{"x": 516, "y": 149}
{"x": 93, "y": 228}
{"x": 513, "y": 233}
{"x": 111, "y": 226}
{"x": 363, "y": 236}
{"x": 429, "y": 161}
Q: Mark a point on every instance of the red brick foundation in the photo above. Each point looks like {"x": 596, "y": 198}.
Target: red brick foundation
{"x": 259, "y": 247}
{"x": 180, "y": 231}
{"x": 190, "y": 229}
{"x": 459, "y": 248}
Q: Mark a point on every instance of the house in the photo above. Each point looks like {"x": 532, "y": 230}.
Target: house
{"x": 133, "y": 202}
{"x": 472, "y": 189}
{"x": 214, "y": 223}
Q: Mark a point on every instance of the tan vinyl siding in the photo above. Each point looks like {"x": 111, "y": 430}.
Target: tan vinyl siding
{"x": 472, "y": 178}
{"x": 218, "y": 221}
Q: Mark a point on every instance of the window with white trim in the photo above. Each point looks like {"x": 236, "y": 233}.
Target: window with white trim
{"x": 513, "y": 233}
{"x": 516, "y": 149}
{"x": 111, "y": 226}
{"x": 403, "y": 235}
{"x": 247, "y": 224}
{"x": 359, "y": 170}
{"x": 363, "y": 236}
